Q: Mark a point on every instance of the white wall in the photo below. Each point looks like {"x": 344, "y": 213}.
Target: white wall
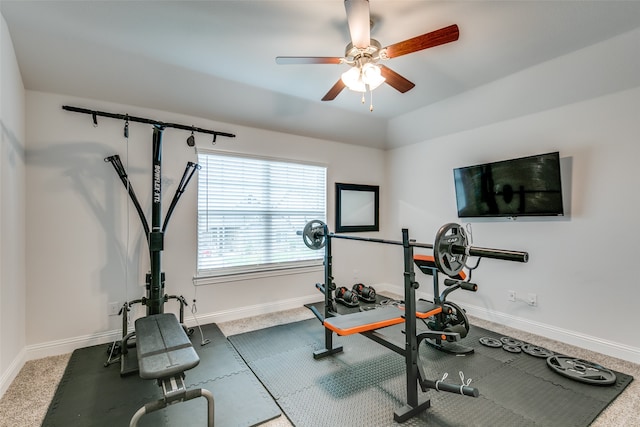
{"x": 12, "y": 225}
{"x": 582, "y": 267}
{"x": 77, "y": 220}
{"x": 78, "y": 247}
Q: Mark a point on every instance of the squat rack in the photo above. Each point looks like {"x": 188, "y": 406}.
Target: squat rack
{"x": 451, "y": 250}
{"x": 155, "y": 299}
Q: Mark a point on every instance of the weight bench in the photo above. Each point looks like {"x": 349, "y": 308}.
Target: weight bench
{"x": 365, "y": 321}
{"x": 164, "y": 354}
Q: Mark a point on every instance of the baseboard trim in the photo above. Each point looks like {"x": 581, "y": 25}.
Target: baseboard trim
{"x": 253, "y": 310}
{"x": 53, "y": 348}
{"x": 68, "y": 345}
{"x": 12, "y": 371}
{"x": 578, "y": 339}
{"x": 588, "y": 342}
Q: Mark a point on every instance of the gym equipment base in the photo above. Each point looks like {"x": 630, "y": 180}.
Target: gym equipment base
{"x": 364, "y": 385}
{"x": 90, "y": 394}
{"x": 450, "y": 347}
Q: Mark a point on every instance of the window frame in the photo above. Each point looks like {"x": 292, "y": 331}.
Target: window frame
{"x": 256, "y": 271}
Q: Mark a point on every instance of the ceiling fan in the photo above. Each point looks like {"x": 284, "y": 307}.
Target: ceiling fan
{"x": 365, "y": 53}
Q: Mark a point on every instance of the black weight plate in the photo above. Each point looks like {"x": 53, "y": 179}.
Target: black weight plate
{"x": 581, "y": 370}
{"x": 457, "y": 316}
{"x": 449, "y": 235}
{"x": 313, "y": 234}
{"x": 490, "y": 342}
{"x": 536, "y": 351}
{"x": 512, "y": 348}
{"x": 511, "y": 341}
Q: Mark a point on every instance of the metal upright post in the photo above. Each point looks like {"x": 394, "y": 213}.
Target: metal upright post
{"x": 155, "y": 303}
{"x": 410, "y": 321}
{"x": 328, "y": 299}
{"x": 415, "y": 404}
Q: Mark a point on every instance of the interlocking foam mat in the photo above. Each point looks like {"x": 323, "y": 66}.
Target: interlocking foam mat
{"x": 90, "y": 394}
{"x": 361, "y": 386}
{"x": 365, "y": 384}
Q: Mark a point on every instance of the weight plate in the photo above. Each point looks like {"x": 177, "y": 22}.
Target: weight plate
{"x": 581, "y": 370}
{"x": 512, "y": 348}
{"x": 447, "y": 236}
{"x": 490, "y": 342}
{"x": 536, "y": 351}
{"x": 456, "y": 317}
{"x": 511, "y": 341}
{"x": 313, "y": 234}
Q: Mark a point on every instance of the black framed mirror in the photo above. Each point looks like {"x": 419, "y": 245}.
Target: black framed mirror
{"x": 357, "y": 208}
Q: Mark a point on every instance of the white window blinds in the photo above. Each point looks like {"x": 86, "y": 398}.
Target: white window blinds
{"x": 249, "y": 211}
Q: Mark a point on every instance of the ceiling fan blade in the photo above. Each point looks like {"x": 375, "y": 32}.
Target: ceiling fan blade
{"x": 359, "y": 22}
{"x": 395, "y": 80}
{"x": 289, "y": 60}
{"x": 334, "y": 91}
{"x": 425, "y": 41}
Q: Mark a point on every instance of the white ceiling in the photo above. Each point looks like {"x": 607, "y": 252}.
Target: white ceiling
{"x": 215, "y": 59}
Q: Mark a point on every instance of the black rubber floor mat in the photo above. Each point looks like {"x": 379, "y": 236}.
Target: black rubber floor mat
{"x": 366, "y": 383}
{"x": 90, "y": 394}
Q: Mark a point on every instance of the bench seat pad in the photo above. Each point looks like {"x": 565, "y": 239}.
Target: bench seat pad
{"x": 163, "y": 347}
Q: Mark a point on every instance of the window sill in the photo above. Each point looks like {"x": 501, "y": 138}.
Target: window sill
{"x": 235, "y": 277}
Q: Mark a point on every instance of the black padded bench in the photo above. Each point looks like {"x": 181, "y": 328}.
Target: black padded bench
{"x": 164, "y": 354}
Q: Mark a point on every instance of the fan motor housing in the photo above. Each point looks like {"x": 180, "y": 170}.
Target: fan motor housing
{"x": 370, "y": 51}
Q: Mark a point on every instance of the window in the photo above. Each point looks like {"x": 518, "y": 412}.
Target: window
{"x": 249, "y": 210}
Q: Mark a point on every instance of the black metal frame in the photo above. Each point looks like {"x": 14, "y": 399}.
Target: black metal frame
{"x": 415, "y": 374}
{"x": 441, "y": 299}
{"x": 156, "y": 123}
{"x": 415, "y": 403}
{"x": 155, "y": 299}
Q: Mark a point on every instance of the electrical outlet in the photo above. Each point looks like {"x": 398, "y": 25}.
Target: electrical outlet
{"x": 532, "y": 300}
{"x": 511, "y": 296}
{"x": 114, "y": 308}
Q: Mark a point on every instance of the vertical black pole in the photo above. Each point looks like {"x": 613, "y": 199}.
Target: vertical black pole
{"x": 411, "y": 344}
{"x": 436, "y": 286}
{"x": 415, "y": 404}
{"x": 328, "y": 287}
{"x": 155, "y": 304}
{"x": 329, "y": 302}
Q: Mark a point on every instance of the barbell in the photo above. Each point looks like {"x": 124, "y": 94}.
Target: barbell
{"x": 450, "y": 247}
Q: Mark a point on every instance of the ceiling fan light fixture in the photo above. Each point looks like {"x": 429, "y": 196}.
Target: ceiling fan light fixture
{"x": 352, "y": 78}
{"x": 363, "y": 78}
{"x": 372, "y": 76}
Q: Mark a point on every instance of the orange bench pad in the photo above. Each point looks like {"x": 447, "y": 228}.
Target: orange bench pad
{"x": 364, "y": 321}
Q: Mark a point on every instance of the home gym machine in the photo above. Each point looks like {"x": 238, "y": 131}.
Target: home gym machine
{"x": 450, "y": 253}
{"x": 164, "y": 351}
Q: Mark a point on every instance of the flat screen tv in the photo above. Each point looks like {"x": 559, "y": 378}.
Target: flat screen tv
{"x": 527, "y": 186}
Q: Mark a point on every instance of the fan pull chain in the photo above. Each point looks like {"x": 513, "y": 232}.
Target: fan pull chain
{"x": 370, "y": 100}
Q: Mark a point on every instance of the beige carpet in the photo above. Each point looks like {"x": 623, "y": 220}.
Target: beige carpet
{"x": 26, "y": 401}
